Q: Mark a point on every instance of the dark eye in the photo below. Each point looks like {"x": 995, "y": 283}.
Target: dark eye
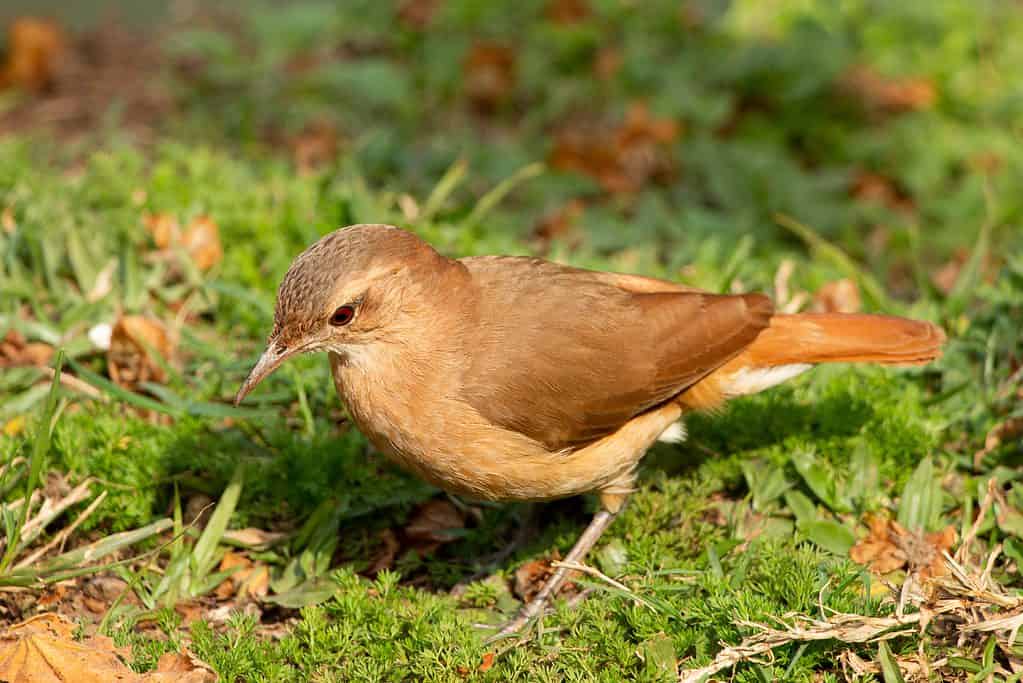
{"x": 342, "y": 316}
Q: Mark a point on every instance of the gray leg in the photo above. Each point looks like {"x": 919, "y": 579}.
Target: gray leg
{"x": 535, "y": 608}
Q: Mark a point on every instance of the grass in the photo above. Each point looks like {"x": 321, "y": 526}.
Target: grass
{"x": 750, "y": 520}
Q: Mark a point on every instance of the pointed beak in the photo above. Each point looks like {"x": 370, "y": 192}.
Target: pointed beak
{"x": 271, "y": 359}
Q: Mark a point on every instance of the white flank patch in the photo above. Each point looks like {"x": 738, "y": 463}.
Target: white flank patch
{"x": 675, "y": 433}
{"x": 751, "y": 380}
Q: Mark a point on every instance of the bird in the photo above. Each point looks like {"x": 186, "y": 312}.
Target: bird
{"x": 514, "y": 378}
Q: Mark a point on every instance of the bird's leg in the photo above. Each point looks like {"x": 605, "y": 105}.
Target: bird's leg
{"x": 536, "y": 606}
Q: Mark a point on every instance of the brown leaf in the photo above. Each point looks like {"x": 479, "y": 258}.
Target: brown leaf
{"x": 1003, "y": 431}
{"x": 946, "y": 276}
{"x": 559, "y": 223}
{"x": 531, "y": 576}
{"x": 43, "y": 649}
{"x": 418, "y": 14}
{"x": 431, "y": 523}
{"x": 489, "y": 75}
{"x": 316, "y": 146}
{"x": 201, "y": 239}
{"x": 607, "y": 63}
{"x": 384, "y": 559}
{"x": 879, "y": 93}
{"x": 16, "y": 351}
{"x": 888, "y": 546}
{"x": 34, "y": 48}
{"x": 251, "y": 537}
{"x": 250, "y": 579}
{"x": 202, "y": 242}
{"x": 129, "y": 361}
{"x": 622, "y": 159}
{"x": 877, "y": 189}
{"x": 487, "y": 663}
{"x": 840, "y": 296}
{"x": 178, "y": 663}
{"x": 567, "y": 11}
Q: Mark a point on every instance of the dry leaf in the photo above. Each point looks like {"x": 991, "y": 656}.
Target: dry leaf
{"x": 945, "y": 278}
{"x": 256, "y": 539}
{"x": 16, "y": 351}
{"x": 877, "y": 189}
{"x": 431, "y": 523}
{"x": 316, "y": 146}
{"x": 489, "y": 75}
{"x": 34, "y": 48}
{"x": 999, "y": 434}
{"x": 43, "y": 650}
{"x": 887, "y": 95}
{"x": 250, "y": 579}
{"x": 559, "y": 223}
{"x": 384, "y": 559}
{"x": 201, "y": 239}
{"x": 840, "y": 296}
{"x": 531, "y": 576}
{"x": 7, "y": 221}
{"x": 567, "y": 11}
{"x": 202, "y": 242}
{"x": 888, "y": 546}
{"x": 418, "y": 14}
{"x": 607, "y": 63}
{"x": 623, "y": 159}
{"x": 128, "y": 360}
{"x": 487, "y": 663}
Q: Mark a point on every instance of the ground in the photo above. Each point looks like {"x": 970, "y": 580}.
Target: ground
{"x": 156, "y": 181}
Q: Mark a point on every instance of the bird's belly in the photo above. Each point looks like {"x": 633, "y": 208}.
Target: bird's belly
{"x": 449, "y": 444}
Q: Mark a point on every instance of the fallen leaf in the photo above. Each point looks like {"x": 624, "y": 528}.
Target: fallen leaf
{"x": 559, "y": 223}
{"x": 184, "y": 663}
{"x": 431, "y": 524}
{"x": 839, "y": 296}
{"x": 888, "y": 547}
{"x": 16, "y": 351}
{"x": 250, "y": 579}
{"x": 315, "y": 146}
{"x": 43, "y": 649}
{"x": 1002, "y": 432}
{"x": 877, "y": 189}
{"x": 7, "y": 221}
{"x": 163, "y": 228}
{"x": 487, "y": 663}
{"x": 607, "y": 63}
{"x": 202, "y": 242}
{"x": 256, "y": 539}
{"x": 531, "y": 576}
{"x": 489, "y": 75}
{"x": 384, "y": 559}
{"x": 946, "y": 276}
{"x": 201, "y": 239}
{"x": 418, "y": 14}
{"x": 878, "y": 93}
{"x": 567, "y": 11}
{"x": 129, "y": 361}
{"x": 623, "y": 159}
{"x": 34, "y": 49}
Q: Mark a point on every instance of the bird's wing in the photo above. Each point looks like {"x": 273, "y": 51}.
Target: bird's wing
{"x": 567, "y": 356}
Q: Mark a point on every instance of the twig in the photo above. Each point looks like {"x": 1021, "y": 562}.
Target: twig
{"x": 62, "y": 537}
{"x": 72, "y": 382}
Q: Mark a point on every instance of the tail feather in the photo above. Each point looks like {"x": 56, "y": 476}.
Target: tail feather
{"x": 792, "y": 344}
{"x": 845, "y": 338}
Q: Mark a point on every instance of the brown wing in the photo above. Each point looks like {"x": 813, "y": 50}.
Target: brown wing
{"x": 567, "y": 356}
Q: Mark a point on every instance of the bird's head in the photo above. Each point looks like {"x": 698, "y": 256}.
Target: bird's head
{"x": 345, "y": 291}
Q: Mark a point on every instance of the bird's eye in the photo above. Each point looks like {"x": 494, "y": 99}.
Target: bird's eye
{"x": 342, "y": 316}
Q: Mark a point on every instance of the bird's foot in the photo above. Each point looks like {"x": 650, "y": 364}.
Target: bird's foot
{"x": 522, "y": 624}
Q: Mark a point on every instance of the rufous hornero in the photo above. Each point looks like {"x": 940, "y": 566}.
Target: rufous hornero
{"x": 508, "y": 378}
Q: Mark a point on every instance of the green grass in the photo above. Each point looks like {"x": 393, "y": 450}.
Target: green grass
{"x": 748, "y": 521}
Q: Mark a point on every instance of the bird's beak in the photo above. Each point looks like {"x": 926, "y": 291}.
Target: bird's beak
{"x": 272, "y": 357}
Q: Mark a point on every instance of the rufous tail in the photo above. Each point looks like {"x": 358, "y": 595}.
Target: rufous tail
{"x": 791, "y": 344}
